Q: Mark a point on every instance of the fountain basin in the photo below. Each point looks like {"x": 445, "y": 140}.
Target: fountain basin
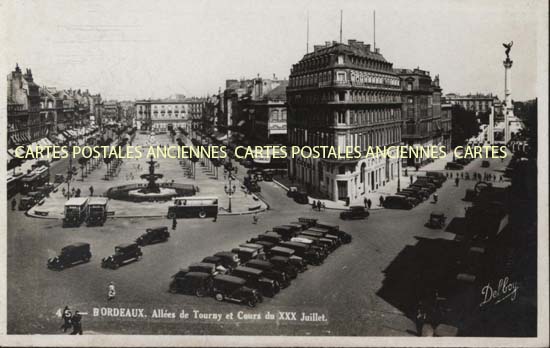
{"x": 168, "y": 191}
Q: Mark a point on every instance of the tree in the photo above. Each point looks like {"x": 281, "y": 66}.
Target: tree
{"x": 464, "y": 125}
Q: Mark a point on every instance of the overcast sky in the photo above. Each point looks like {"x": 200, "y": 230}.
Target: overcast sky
{"x": 139, "y": 49}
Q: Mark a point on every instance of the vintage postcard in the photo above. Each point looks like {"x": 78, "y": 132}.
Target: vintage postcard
{"x": 274, "y": 173}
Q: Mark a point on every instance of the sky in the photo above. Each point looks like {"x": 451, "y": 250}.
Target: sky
{"x": 140, "y": 49}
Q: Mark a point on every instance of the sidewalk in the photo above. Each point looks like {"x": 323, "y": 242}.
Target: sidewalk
{"x": 390, "y": 188}
{"x": 131, "y": 169}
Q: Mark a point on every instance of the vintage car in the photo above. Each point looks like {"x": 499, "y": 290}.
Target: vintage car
{"x": 70, "y": 255}
{"x": 26, "y": 203}
{"x": 292, "y": 190}
{"x": 432, "y": 180}
{"x": 313, "y": 244}
{"x": 124, "y": 253}
{"x": 255, "y": 279}
{"x": 265, "y": 244}
{"x": 153, "y": 235}
{"x": 251, "y": 185}
{"x": 283, "y": 264}
{"x": 441, "y": 176}
{"x": 354, "y": 212}
{"x": 191, "y": 283}
{"x": 424, "y": 185}
{"x": 270, "y": 272}
{"x": 327, "y": 244}
{"x": 59, "y": 178}
{"x": 410, "y": 196}
{"x": 301, "y": 197}
{"x": 290, "y": 255}
{"x": 318, "y": 233}
{"x": 203, "y": 267}
{"x": 422, "y": 192}
{"x": 271, "y": 237}
{"x": 437, "y": 220}
{"x": 397, "y": 202}
{"x": 217, "y": 262}
{"x": 345, "y": 237}
{"x": 230, "y": 288}
{"x": 454, "y": 166}
{"x": 245, "y": 254}
{"x": 286, "y": 231}
{"x": 228, "y": 259}
{"x": 417, "y": 194}
{"x": 310, "y": 255}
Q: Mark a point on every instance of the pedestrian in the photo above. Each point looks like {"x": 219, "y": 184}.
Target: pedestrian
{"x": 63, "y": 192}
{"x": 66, "y": 316}
{"x": 255, "y": 219}
{"x": 435, "y": 197}
{"x": 78, "y": 192}
{"x": 365, "y": 202}
{"x": 411, "y": 178}
{"x": 174, "y": 223}
{"x": 73, "y": 192}
{"x": 406, "y": 172}
{"x": 369, "y": 203}
{"x": 381, "y": 201}
{"x": 451, "y": 175}
{"x": 323, "y": 206}
{"x": 111, "y": 291}
{"x": 456, "y": 181}
{"x": 14, "y": 203}
{"x": 319, "y": 205}
{"x": 91, "y": 190}
{"x": 77, "y": 324}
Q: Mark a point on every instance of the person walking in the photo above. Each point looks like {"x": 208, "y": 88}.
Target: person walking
{"x": 411, "y": 178}
{"x": 111, "y": 291}
{"x": 77, "y": 324}
{"x": 66, "y": 316}
{"x": 457, "y": 181}
{"x": 174, "y": 223}
{"x": 369, "y": 203}
{"x": 78, "y": 192}
{"x": 435, "y": 197}
{"x": 381, "y": 201}
{"x": 14, "y": 203}
{"x": 319, "y": 205}
{"x": 421, "y": 318}
{"x": 365, "y": 202}
{"x": 255, "y": 219}
{"x": 91, "y": 190}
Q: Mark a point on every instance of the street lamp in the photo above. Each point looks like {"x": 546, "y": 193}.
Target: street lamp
{"x": 229, "y": 189}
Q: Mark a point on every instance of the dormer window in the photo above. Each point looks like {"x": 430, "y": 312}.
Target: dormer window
{"x": 340, "y": 59}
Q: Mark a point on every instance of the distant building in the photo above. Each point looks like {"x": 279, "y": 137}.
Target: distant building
{"x": 344, "y": 94}
{"x": 112, "y": 112}
{"x": 25, "y": 124}
{"x": 479, "y": 103}
{"x": 421, "y": 113}
{"x": 165, "y": 114}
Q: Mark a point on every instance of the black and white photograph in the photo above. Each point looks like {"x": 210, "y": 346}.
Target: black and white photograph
{"x": 299, "y": 173}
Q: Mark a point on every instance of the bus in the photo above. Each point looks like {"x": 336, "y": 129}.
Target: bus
{"x": 38, "y": 177}
{"x": 192, "y": 207}
{"x": 76, "y": 211}
{"x": 13, "y": 183}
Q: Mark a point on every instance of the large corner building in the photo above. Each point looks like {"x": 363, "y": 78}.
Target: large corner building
{"x": 344, "y": 94}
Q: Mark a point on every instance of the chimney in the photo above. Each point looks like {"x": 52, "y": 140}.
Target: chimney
{"x": 274, "y": 77}
{"x": 327, "y": 43}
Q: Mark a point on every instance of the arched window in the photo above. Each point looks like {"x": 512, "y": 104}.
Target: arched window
{"x": 362, "y": 174}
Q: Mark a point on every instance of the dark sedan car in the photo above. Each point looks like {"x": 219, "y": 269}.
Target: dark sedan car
{"x": 354, "y": 212}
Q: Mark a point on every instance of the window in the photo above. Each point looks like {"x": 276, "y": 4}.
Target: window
{"x": 341, "y": 96}
{"x": 340, "y": 59}
{"x": 341, "y": 118}
{"x": 341, "y": 76}
{"x": 410, "y": 100}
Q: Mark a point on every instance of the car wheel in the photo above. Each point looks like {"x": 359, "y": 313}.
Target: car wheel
{"x": 199, "y": 293}
{"x": 219, "y": 296}
{"x": 171, "y": 215}
{"x": 202, "y": 214}
{"x": 251, "y": 303}
{"x": 172, "y": 290}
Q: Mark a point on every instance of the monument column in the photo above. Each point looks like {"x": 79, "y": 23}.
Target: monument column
{"x": 508, "y": 107}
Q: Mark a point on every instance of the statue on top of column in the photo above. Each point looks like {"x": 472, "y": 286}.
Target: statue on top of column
{"x": 508, "y": 48}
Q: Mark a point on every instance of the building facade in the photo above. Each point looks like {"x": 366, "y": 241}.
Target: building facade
{"x": 343, "y": 95}
{"x": 170, "y": 113}
{"x": 479, "y": 103}
{"x": 421, "y": 112}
